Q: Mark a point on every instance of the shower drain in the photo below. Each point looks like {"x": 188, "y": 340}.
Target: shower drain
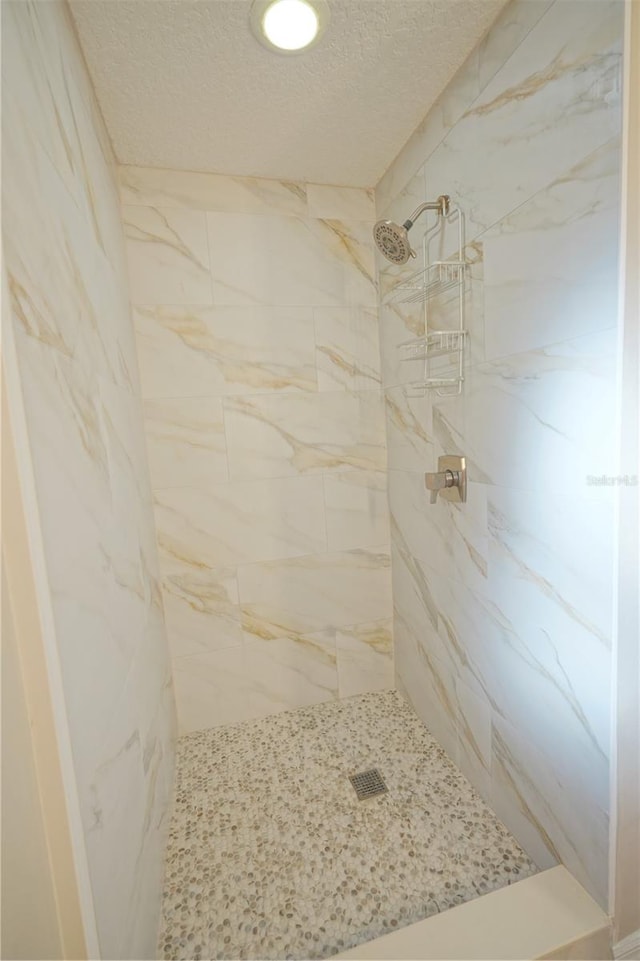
{"x": 368, "y": 784}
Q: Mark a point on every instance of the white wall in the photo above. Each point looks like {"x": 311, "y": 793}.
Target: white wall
{"x": 30, "y": 926}
{"x": 625, "y": 847}
{"x": 77, "y": 376}
{"x": 503, "y": 607}
{"x": 256, "y": 318}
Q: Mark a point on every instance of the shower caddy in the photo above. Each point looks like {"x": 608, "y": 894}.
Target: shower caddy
{"x": 424, "y": 287}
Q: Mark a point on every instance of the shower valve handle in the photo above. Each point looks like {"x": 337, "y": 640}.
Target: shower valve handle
{"x": 450, "y": 479}
{"x": 440, "y": 480}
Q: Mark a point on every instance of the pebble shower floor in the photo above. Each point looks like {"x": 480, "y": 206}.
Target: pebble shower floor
{"x": 271, "y": 854}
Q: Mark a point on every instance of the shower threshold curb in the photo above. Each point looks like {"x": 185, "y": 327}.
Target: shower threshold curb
{"x": 549, "y": 915}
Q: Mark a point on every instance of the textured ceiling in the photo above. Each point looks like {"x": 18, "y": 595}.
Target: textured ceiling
{"x": 185, "y": 84}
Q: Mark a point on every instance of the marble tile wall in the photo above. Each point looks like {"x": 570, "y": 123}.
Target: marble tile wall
{"x": 71, "y": 323}
{"x": 255, "y": 308}
{"x": 503, "y": 606}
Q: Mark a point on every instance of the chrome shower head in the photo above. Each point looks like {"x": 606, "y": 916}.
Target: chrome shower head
{"x": 392, "y": 240}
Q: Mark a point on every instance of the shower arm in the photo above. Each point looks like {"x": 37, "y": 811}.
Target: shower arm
{"x": 441, "y": 205}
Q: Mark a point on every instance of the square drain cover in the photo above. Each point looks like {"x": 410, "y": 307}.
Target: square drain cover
{"x": 368, "y": 784}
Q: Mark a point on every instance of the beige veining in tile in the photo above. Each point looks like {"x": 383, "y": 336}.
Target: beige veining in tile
{"x": 307, "y": 594}
{"x": 343, "y": 203}
{"x": 271, "y": 436}
{"x": 185, "y": 441}
{"x": 201, "y": 609}
{"x": 291, "y": 672}
{"x": 190, "y": 351}
{"x": 67, "y": 322}
{"x": 365, "y": 658}
{"x": 240, "y": 477}
{"x": 239, "y": 522}
{"x": 168, "y": 256}
{"x": 286, "y": 261}
{"x": 189, "y": 190}
{"x": 347, "y": 348}
{"x": 500, "y": 608}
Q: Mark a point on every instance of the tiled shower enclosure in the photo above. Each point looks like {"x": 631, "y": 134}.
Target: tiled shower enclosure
{"x": 272, "y": 854}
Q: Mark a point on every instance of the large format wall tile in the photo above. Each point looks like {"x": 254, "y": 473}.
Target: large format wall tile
{"x": 365, "y": 658}
{"x": 168, "y": 256}
{"x": 206, "y": 351}
{"x": 513, "y": 24}
{"x": 428, "y": 682}
{"x": 236, "y": 523}
{"x": 265, "y": 431}
{"x": 532, "y": 784}
{"x": 271, "y": 436}
{"x": 186, "y": 441}
{"x": 533, "y": 538}
{"x": 205, "y": 681}
{"x": 451, "y": 539}
{"x": 409, "y": 430}
{"x": 189, "y": 190}
{"x": 342, "y": 203}
{"x": 502, "y": 606}
{"x": 542, "y": 113}
{"x": 290, "y": 261}
{"x": 475, "y": 737}
{"x": 201, "y": 608}
{"x": 356, "y": 509}
{"x": 532, "y": 415}
{"x": 261, "y": 678}
{"x": 69, "y": 319}
{"x": 528, "y": 675}
{"x": 347, "y": 348}
{"x": 307, "y": 594}
{"x": 568, "y": 234}
{"x": 291, "y": 672}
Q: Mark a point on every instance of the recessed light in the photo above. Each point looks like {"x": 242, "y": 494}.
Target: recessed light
{"x": 289, "y": 26}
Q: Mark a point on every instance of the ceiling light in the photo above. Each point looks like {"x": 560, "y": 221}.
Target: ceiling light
{"x": 289, "y": 26}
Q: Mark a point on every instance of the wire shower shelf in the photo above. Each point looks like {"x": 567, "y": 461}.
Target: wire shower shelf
{"x": 442, "y": 351}
{"x": 428, "y": 283}
{"x": 433, "y": 344}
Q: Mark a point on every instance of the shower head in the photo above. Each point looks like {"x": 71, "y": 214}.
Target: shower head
{"x": 392, "y": 240}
